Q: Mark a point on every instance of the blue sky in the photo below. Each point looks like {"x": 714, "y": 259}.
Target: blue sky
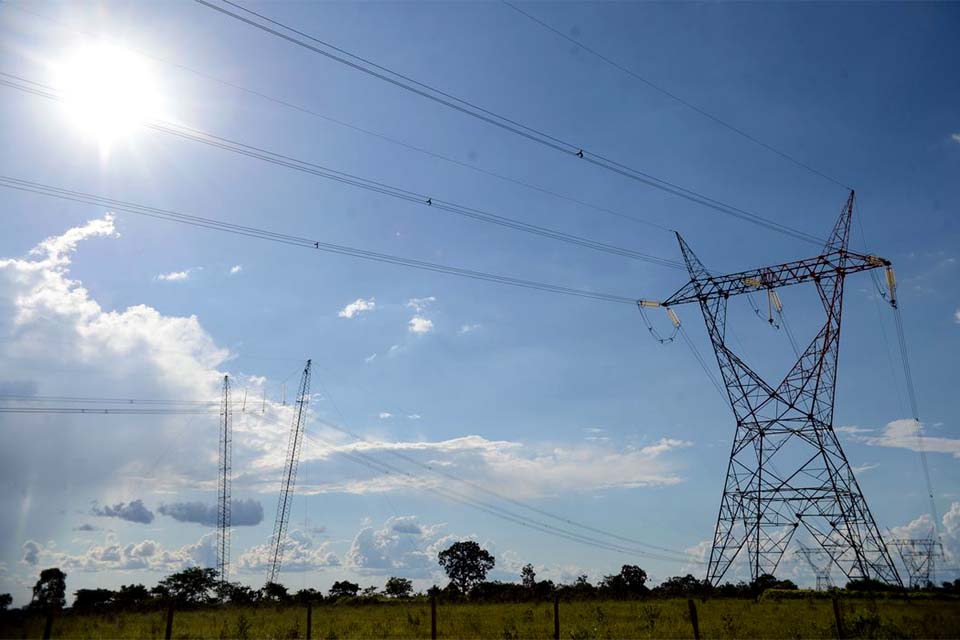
{"x": 565, "y": 403}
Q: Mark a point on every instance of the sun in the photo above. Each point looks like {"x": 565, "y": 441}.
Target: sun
{"x": 108, "y": 91}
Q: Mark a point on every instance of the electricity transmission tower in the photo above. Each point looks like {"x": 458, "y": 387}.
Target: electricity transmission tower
{"x": 918, "y": 555}
{"x": 289, "y": 476}
{"x": 223, "y": 485}
{"x": 820, "y": 562}
{"x": 812, "y": 485}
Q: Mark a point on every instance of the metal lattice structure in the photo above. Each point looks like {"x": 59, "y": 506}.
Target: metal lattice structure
{"x": 285, "y": 501}
{"x": 820, "y": 562}
{"x": 918, "y": 555}
{"x": 787, "y": 470}
{"x": 225, "y": 472}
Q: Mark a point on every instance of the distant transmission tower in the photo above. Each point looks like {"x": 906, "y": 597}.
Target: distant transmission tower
{"x": 223, "y": 486}
{"x": 289, "y": 476}
{"x": 918, "y": 555}
{"x": 812, "y": 485}
{"x": 820, "y": 561}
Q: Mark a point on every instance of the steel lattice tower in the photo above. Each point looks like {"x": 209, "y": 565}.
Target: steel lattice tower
{"x": 289, "y": 476}
{"x": 821, "y": 563}
{"x": 223, "y": 485}
{"x": 812, "y": 485}
{"x": 918, "y": 555}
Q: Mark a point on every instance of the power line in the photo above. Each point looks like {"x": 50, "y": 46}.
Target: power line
{"x": 226, "y": 144}
{"x": 105, "y": 411}
{"x": 299, "y": 241}
{"x": 675, "y": 97}
{"x": 409, "y": 84}
{"x": 369, "y": 132}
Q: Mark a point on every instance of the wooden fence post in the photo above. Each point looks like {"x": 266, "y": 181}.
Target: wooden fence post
{"x": 556, "y": 617}
{"x": 838, "y": 617}
{"x": 693, "y": 618}
{"x": 169, "y": 632}
{"x": 309, "y": 620}
{"x": 433, "y": 615}
{"x": 48, "y": 625}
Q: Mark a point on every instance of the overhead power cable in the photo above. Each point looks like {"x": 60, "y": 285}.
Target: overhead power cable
{"x": 188, "y": 133}
{"x": 407, "y": 83}
{"x": 106, "y": 411}
{"x": 369, "y": 132}
{"x": 299, "y": 241}
{"x": 661, "y": 90}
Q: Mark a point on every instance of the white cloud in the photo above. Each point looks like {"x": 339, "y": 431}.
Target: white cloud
{"x": 402, "y": 547}
{"x": 956, "y": 316}
{"x": 235, "y": 269}
{"x": 956, "y": 137}
{"x": 370, "y": 358}
{"x": 385, "y": 415}
{"x": 419, "y": 305}
{"x": 301, "y": 552}
{"x": 510, "y": 467}
{"x": 908, "y": 434}
{"x": 863, "y": 468}
{"x": 358, "y": 307}
{"x": 421, "y": 325}
{"x": 853, "y": 430}
{"x": 145, "y": 555}
{"x": 414, "y": 416}
{"x": 467, "y": 328}
{"x": 177, "y": 276}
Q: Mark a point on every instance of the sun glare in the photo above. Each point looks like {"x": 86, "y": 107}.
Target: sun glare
{"x": 108, "y": 91}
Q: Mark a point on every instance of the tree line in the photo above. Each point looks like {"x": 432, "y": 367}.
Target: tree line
{"x": 466, "y": 564}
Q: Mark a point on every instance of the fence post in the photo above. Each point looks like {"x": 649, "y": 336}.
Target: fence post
{"x": 838, "y": 617}
{"x": 693, "y": 618}
{"x": 556, "y": 617}
{"x": 48, "y": 625}
{"x": 433, "y": 615}
{"x": 309, "y": 620}
{"x": 169, "y": 632}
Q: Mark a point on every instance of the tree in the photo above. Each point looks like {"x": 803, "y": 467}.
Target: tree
{"x": 344, "y": 589}
{"x": 398, "y": 587}
{"x": 276, "y": 592}
{"x": 5, "y": 601}
{"x": 131, "y": 596}
{"x": 50, "y": 590}
{"x": 529, "y": 576}
{"x": 466, "y": 564}
{"x": 630, "y": 582}
{"x": 88, "y": 600}
{"x": 681, "y": 586}
{"x": 238, "y": 593}
{"x": 308, "y": 596}
{"x": 190, "y": 586}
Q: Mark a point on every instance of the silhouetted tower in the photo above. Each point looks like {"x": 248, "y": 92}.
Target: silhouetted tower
{"x": 223, "y": 485}
{"x": 289, "y": 476}
{"x": 919, "y": 555}
{"x": 787, "y": 469}
{"x": 820, "y": 561}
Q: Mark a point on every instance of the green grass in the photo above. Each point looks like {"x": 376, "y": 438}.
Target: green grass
{"x": 770, "y": 618}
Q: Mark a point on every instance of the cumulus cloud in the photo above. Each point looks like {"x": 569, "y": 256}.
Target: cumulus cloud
{"x": 144, "y": 555}
{"x": 421, "y": 325}
{"x": 243, "y": 512}
{"x": 908, "y": 434}
{"x": 401, "y": 547}
{"x": 303, "y": 551}
{"x": 177, "y": 276}
{"x": 358, "y": 307}
{"x": 235, "y": 269}
{"x": 134, "y": 511}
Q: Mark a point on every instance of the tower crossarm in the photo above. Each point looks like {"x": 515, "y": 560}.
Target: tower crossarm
{"x": 836, "y": 263}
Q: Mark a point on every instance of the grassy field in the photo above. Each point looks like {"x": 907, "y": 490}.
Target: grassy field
{"x": 796, "y": 618}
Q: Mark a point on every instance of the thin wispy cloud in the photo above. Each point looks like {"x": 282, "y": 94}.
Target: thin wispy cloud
{"x": 177, "y": 276}
{"x": 385, "y": 415}
{"x": 358, "y": 307}
{"x": 956, "y": 138}
{"x": 468, "y": 328}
